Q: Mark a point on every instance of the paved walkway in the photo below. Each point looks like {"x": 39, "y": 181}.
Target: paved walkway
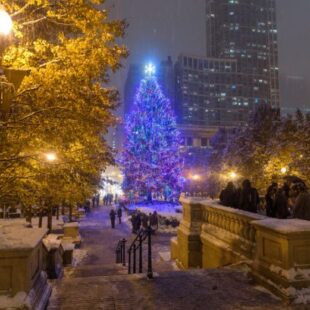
{"x": 98, "y": 283}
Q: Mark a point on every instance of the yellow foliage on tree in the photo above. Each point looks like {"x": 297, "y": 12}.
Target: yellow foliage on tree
{"x": 68, "y": 48}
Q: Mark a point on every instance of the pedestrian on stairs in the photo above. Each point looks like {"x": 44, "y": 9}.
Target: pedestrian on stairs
{"x": 119, "y": 215}
{"x": 112, "y": 218}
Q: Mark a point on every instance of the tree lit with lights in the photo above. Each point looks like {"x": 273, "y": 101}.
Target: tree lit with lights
{"x": 151, "y": 159}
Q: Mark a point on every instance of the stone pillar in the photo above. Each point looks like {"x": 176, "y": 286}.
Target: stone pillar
{"x": 21, "y": 263}
{"x": 282, "y": 260}
{"x": 186, "y": 248}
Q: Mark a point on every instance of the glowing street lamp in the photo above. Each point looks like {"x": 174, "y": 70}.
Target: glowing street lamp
{"x": 6, "y": 23}
{"x": 195, "y": 177}
{"x": 233, "y": 175}
{"x": 150, "y": 69}
{"x": 51, "y": 157}
{"x": 283, "y": 170}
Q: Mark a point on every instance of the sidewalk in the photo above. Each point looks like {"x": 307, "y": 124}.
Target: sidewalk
{"x": 98, "y": 283}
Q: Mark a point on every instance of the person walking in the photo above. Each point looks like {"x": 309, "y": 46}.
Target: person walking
{"x": 133, "y": 223}
{"x": 97, "y": 200}
{"x": 145, "y": 221}
{"x": 138, "y": 221}
{"x": 249, "y": 198}
{"x": 154, "y": 222}
{"x": 112, "y": 218}
{"x": 119, "y": 215}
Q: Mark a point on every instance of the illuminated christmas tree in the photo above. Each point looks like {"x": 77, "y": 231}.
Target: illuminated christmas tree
{"x": 151, "y": 158}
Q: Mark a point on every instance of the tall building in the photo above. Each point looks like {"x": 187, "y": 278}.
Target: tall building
{"x": 246, "y": 30}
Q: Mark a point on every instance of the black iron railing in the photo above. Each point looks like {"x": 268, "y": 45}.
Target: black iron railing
{"x": 135, "y": 253}
{"x": 121, "y": 252}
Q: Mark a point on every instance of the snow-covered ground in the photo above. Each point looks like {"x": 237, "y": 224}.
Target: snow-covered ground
{"x": 164, "y": 209}
{"x": 168, "y": 213}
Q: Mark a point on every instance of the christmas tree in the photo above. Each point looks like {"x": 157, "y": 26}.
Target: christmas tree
{"x": 151, "y": 158}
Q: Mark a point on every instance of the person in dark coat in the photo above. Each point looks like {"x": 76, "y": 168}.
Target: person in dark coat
{"x": 302, "y": 203}
{"x": 270, "y": 200}
{"x": 228, "y": 196}
{"x": 145, "y": 221}
{"x": 281, "y": 202}
{"x": 133, "y": 223}
{"x": 154, "y": 222}
{"x": 249, "y": 198}
{"x": 138, "y": 221}
{"x": 119, "y": 215}
{"x": 112, "y": 218}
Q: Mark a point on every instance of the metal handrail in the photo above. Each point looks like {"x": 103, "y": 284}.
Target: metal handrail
{"x": 120, "y": 252}
{"x": 136, "y": 245}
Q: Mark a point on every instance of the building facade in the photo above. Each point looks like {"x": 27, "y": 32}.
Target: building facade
{"x": 246, "y": 30}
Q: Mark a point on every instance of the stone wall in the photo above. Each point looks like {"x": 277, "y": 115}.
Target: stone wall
{"x": 277, "y": 251}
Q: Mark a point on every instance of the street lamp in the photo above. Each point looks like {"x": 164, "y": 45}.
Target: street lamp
{"x": 233, "y": 175}
{"x": 6, "y": 23}
{"x": 283, "y": 170}
{"x": 51, "y": 157}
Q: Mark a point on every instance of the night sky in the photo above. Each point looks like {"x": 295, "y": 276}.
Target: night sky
{"x": 158, "y": 28}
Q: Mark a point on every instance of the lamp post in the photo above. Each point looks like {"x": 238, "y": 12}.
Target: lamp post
{"x": 51, "y": 158}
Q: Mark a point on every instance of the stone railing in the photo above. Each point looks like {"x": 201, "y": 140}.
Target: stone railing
{"x": 277, "y": 251}
{"x": 232, "y": 231}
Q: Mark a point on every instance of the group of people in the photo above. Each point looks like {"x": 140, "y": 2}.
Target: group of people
{"x": 95, "y": 201}
{"x": 113, "y": 215}
{"x": 245, "y": 198}
{"x": 108, "y": 199}
{"x": 290, "y": 200}
{"x": 142, "y": 221}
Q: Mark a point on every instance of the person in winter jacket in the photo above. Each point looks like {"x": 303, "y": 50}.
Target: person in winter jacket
{"x": 302, "y": 203}
{"x": 249, "y": 198}
{"x": 270, "y": 200}
{"x": 119, "y": 215}
{"x": 228, "y": 196}
{"x": 112, "y": 218}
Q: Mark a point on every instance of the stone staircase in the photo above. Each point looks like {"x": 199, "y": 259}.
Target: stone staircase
{"x": 195, "y": 289}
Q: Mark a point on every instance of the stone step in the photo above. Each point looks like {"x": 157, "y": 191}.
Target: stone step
{"x": 195, "y": 289}
{"x": 95, "y": 270}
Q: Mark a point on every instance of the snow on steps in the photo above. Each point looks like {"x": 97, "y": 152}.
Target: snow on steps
{"x": 194, "y": 289}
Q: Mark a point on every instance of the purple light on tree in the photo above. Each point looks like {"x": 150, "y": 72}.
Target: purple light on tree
{"x": 151, "y": 159}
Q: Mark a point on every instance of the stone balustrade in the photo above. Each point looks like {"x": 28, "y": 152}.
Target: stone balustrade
{"x": 277, "y": 251}
{"x": 230, "y": 230}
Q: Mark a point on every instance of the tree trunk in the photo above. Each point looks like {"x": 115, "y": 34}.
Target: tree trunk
{"x": 62, "y": 209}
{"x": 57, "y": 213}
{"x": 70, "y": 213}
{"x": 49, "y": 218}
{"x": 40, "y": 219}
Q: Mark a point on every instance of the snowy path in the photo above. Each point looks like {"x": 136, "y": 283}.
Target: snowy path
{"x": 98, "y": 283}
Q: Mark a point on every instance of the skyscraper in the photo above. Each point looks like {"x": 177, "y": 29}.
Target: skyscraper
{"x": 246, "y": 30}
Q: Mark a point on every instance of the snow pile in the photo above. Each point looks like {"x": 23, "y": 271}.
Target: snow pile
{"x": 52, "y": 241}
{"x": 19, "y": 301}
{"x": 301, "y": 296}
{"x": 16, "y": 234}
{"x": 291, "y": 274}
{"x": 167, "y": 210}
{"x": 78, "y": 256}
